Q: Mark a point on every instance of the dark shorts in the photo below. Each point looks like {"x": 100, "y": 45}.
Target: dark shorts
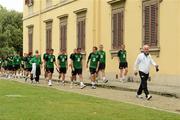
{"x": 50, "y": 70}
{"x": 16, "y": 67}
{"x": 102, "y": 66}
{"x": 123, "y": 65}
{"x": 29, "y": 69}
{"x": 92, "y": 71}
{"x": 63, "y": 70}
{"x": 9, "y": 67}
{"x": 77, "y": 71}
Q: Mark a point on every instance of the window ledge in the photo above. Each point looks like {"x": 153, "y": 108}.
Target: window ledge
{"x": 113, "y": 53}
{"x": 153, "y": 51}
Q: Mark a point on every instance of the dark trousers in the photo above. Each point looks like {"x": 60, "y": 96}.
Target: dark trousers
{"x": 38, "y": 73}
{"x": 143, "y": 86}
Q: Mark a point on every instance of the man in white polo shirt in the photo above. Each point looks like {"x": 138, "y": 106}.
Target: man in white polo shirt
{"x": 143, "y": 64}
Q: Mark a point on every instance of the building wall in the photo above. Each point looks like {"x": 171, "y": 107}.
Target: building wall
{"x": 98, "y": 31}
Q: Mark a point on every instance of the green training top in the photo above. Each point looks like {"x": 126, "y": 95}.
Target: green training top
{"x": 17, "y": 60}
{"x": 77, "y": 60}
{"x": 122, "y": 55}
{"x": 62, "y": 60}
{"x": 50, "y": 59}
{"x": 102, "y": 55}
{"x": 94, "y": 59}
{"x": 28, "y": 62}
{"x": 36, "y": 60}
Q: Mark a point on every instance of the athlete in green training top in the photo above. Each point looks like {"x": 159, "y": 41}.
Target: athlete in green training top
{"x": 50, "y": 61}
{"x": 28, "y": 65}
{"x": 37, "y": 59}
{"x": 93, "y": 66}
{"x": 44, "y": 61}
{"x": 102, "y": 63}
{"x": 77, "y": 66}
{"x": 63, "y": 65}
{"x": 16, "y": 65}
{"x": 123, "y": 64}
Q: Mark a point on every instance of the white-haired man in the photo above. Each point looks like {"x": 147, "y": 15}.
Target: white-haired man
{"x": 142, "y": 64}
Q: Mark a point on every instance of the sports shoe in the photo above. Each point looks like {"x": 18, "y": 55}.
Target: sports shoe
{"x": 63, "y": 83}
{"x": 82, "y": 86}
{"x": 139, "y": 96}
{"x": 93, "y": 87}
{"x": 149, "y": 97}
{"x": 49, "y": 83}
{"x": 105, "y": 81}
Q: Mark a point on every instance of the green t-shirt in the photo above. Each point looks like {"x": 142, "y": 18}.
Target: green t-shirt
{"x": 10, "y": 61}
{"x": 122, "y": 55}
{"x": 102, "y": 55}
{"x": 62, "y": 60}
{"x": 45, "y": 56}
{"x": 77, "y": 60}
{"x": 16, "y": 60}
{"x": 94, "y": 59}
{"x": 28, "y": 62}
{"x": 36, "y": 60}
{"x": 50, "y": 59}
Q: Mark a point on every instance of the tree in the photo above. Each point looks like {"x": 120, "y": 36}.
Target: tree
{"x": 11, "y": 29}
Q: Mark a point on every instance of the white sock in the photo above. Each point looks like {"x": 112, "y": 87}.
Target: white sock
{"x": 104, "y": 78}
{"x": 81, "y": 83}
{"x": 93, "y": 83}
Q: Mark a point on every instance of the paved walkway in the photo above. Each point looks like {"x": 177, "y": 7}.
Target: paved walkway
{"x": 159, "y": 102}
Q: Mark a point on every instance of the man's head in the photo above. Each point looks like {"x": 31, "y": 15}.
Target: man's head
{"x": 51, "y": 51}
{"x": 123, "y": 47}
{"x": 63, "y": 51}
{"x": 100, "y": 47}
{"x": 78, "y": 50}
{"x": 30, "y": 53}
{"x": 146, "y": 49}
{"x": 75, "y": 50}
{"x": 95, "y": 49}
{"x": 37, "y": 53}
{"x": 47, "y": 51}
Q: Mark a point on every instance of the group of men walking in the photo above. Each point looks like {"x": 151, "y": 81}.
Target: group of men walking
{"x": 30, "y": 66}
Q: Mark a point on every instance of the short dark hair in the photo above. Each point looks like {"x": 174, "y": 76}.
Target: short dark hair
{"x": 78, "y": 48}
{"x": 95, "y": 47}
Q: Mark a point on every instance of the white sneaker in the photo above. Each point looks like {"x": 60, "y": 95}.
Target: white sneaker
{"x": 149, "y": 97}
{"x": 93, "y": 87}
{"x": 139, "y": 96}
{"x": 49, "y": 83}
{"x": 82, "y": 86}
{"x": 105, "y": 81}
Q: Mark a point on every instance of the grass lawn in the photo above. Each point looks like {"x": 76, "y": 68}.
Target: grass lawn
{"x": 25, "y": 102}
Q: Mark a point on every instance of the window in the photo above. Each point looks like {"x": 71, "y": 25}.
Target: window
{"x": 48, "y": 3}
{"x": 117, "y": 26}
{"x": 49, "y": 35}
{"x": 150, "y": 22}
{"x": 29, "y": 2}
{"x": 63, "y": 33}
{"x": 30, "y": 39}
{"x": 81, "y": 30}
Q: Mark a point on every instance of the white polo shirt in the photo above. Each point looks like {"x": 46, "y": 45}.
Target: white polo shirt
{"x": 143, "y": 63}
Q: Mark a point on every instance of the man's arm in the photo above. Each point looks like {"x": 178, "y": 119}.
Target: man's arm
{"x": 136, "y": 65}
{"x": 88, "y": 60}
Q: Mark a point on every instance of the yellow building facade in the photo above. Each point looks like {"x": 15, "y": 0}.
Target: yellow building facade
{"x": 68, "y": 24}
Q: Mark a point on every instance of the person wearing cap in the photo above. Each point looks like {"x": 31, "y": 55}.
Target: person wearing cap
{"x": 142, "y": 65}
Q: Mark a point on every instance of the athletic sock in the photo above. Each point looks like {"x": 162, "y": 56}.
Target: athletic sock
{"x": 81, "y": 83}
